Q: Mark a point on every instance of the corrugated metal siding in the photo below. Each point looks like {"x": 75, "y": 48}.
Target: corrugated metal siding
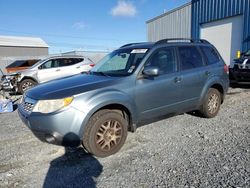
{"x": 6, "y": 51}
{"x": 174, "y": 24}
{"x": 22, "y": 41}
{"x": 204, "y": 11}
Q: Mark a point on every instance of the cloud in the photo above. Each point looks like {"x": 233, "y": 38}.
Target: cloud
{"x": 79, "y": 25}
{"x": 124, "y": 8}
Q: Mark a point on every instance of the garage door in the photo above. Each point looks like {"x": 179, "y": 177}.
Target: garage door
{"x": 225, "y": 35}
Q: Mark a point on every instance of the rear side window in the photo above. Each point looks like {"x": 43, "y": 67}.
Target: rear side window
{"x": 78, "y": 60}
{"x": 210, "y": 54}
{"x": 66, "y": 62}
{"x": 190, "y": 57}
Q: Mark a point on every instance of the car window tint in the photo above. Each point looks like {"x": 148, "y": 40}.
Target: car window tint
{"x": 137, "y": 59}
{"x": 190, "y": 57}
{"x": 16, "y": 64}
{"x": 78, "y": 60}
{"x": 25, "y": 64}
{"x": 47, "y": 64}
{"x": 33, "y": 62}
{"x": 165, "y": 60}
{"x": 53, "y": 63}
{"x": 210, "y": 54}
{"x": 66, "y": 62}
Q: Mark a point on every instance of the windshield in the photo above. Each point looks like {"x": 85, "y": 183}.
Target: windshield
{"x": 121, "y": 62}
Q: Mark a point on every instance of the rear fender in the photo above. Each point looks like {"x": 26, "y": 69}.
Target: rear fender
{"x": 214, "y": 80}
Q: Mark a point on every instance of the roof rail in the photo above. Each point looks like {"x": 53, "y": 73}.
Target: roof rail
{"x": 204, "y": 41}
{"x": 131, "y": 44}
{"x": 181, "y": 39}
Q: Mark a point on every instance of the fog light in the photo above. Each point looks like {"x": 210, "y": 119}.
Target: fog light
{"x": 50, "y": 139}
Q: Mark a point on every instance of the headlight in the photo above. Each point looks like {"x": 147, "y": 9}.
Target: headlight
{"x": 48, "y": 106}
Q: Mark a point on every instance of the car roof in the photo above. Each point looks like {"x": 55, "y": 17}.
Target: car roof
{"x": 66, "y": 56}
{"x": 166, "y": 42}
{"x": 141, "y": 45}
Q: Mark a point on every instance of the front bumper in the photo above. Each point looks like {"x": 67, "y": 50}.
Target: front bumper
{"x": 59, "y": 128}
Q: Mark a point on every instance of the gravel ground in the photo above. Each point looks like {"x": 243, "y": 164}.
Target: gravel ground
{"x": 181, "y": 151}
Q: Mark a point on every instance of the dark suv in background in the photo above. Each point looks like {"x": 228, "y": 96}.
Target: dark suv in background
{"x": 240, "y": 72}
{"x": 134, "y": 83}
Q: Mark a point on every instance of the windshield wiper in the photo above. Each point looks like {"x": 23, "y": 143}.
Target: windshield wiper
{"x": 99, "y": 73}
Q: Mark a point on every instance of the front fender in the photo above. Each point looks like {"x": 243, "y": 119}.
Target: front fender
{"x": 103, "y": 99}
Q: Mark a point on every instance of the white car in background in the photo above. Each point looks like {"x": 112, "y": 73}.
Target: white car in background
{"x": 52, "y": 68}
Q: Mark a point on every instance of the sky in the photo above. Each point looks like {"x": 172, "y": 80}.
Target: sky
{"x": 91, "y": 25}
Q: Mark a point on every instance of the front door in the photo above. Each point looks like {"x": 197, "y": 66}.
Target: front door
{"x": 51, "y": 69}
{"x": 159, "y": 95}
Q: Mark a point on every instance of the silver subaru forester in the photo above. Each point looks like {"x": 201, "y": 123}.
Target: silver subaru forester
{"x": 136, "y": 82}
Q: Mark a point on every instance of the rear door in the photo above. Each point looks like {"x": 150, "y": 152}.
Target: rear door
{"x": 193, "y": 75}
{"x": 215, "y": 64}
{"x": 68, "y": 67}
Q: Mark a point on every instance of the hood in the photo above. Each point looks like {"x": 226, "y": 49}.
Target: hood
{"x": 70, "y": 86}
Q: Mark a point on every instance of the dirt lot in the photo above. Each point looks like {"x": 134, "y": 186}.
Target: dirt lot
{"x": 182, "y": 151}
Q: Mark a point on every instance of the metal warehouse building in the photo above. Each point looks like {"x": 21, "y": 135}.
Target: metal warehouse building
{"x": 11, "y": 46}
{"x": 20, "y": 48}
{"x": 225, "y": 23}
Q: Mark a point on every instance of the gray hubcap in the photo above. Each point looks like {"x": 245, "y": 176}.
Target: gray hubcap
{"x": 109, "y": 135}
{"x": 213, "y": 103}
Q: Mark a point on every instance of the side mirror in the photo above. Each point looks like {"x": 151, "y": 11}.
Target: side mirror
{"x": 151, "y": 71}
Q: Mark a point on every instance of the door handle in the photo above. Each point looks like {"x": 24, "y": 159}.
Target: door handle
{"x": 58, "y": 70}
{"x": 177, "y": 79}
{"x": 207, "y": 73}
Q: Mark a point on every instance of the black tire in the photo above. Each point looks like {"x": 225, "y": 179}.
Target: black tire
{"x": 25, "y": 85}
{"x": 211, "y": 104}
{"x": 105, "y": 133}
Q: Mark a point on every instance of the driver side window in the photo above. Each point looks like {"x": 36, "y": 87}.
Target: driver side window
{"x": 53, "y": 63}
{"x": 164, "y": 59}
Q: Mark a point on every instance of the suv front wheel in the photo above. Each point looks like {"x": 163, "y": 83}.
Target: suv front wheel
{"x": 211, "y": 104}
{"x": 105, "y": 133}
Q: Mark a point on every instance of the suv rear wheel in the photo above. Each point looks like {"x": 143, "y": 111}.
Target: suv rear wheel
{"x": 211, "y": 105}
{"x": 105, "y": 133}
{"x": 26, "y": 84}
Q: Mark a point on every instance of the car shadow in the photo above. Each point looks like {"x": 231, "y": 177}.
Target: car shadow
{"x": 16, "y": 101}
{"x": 242, "y": 86}
{"x": 75, "y": 168}
{"x": 196, "y": 113}
{"x": 156, "y": 119}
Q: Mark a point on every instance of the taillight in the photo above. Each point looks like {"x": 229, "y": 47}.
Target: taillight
{"x": 92, "y": 65}
{"x": 226, "y": 69}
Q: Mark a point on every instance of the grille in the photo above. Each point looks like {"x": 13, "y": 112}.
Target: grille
{"x": 28, "y": 104}
{"x": 244, "y": 67}
{"x": 28, "y": 107}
